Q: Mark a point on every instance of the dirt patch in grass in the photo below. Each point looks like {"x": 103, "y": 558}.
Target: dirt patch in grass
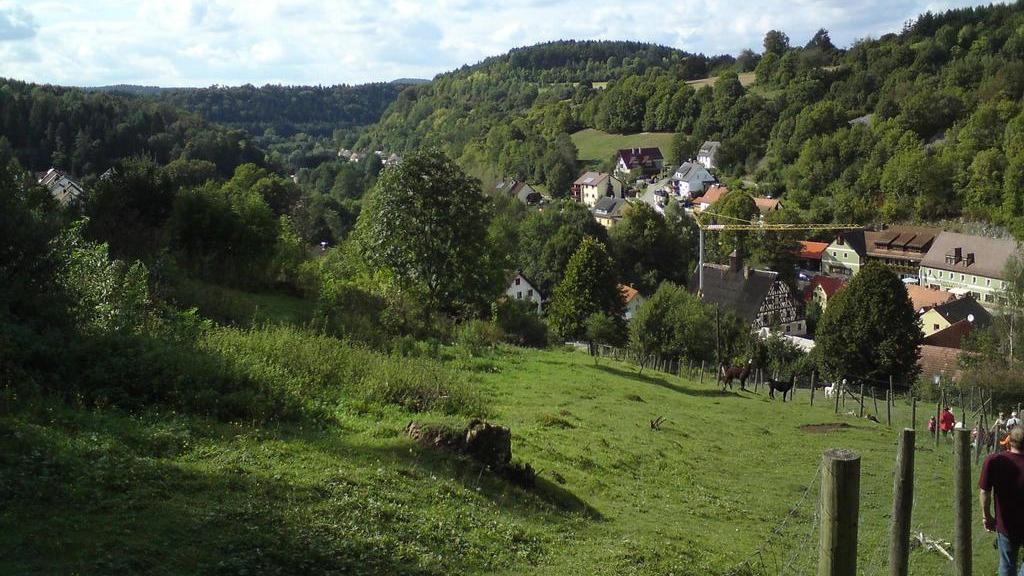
{"x": 824, "y": 428}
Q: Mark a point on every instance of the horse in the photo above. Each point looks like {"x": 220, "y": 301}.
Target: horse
{"x": 727, "y": 375}
{"x": 781, "y": 386}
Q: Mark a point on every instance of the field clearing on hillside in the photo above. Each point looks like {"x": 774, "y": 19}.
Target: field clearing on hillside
{"x": 596, "y": 146}
{"x": 100, "y": 491}
{"x": 746, "y": 79}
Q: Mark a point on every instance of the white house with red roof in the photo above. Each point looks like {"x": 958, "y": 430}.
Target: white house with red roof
{"x": 632, "y": 299}
{"x": 648, "y": 161}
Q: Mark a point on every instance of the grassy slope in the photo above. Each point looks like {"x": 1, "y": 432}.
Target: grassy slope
{"x": 746, "y": 79}
{"x": 595, "y": 146}
{"x": 99, "y": 491}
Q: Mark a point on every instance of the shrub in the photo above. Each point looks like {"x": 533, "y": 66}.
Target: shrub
{"x": 520, "y": 323}
{"x": 476, "y": 337}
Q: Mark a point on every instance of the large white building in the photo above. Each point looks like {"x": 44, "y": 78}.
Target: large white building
{"x": 965, "y": 264}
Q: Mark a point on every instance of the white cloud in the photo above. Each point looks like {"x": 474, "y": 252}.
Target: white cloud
{"x": 197, "y": 42}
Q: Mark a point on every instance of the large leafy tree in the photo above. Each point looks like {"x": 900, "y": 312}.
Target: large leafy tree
{"x": 549, "y": 238}
{"x": 646, "y": 250}
{"x": 590, "y": 286}
{"x": 673, "y": 323}
{"x": 425, "y": 223}
{"x": 870, "y": 330}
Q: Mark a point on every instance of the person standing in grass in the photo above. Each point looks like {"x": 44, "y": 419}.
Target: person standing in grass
{"x": 1003, "y": 472}
{"x": 946, "y": 421}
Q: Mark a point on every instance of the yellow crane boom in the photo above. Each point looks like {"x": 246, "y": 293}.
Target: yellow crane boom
{"x": 747, "y": 225}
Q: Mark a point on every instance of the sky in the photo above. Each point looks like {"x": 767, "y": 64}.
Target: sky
{"x": 197, "y": 43}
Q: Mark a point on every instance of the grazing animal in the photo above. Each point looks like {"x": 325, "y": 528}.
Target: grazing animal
{"x": 727, "y": 375}
{"x": 781, "y": 386}
{"x": 830, "y": 391}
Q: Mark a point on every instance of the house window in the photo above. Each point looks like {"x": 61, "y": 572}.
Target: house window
{"x": 974, "y": 279}
{"x": 935, "y": 327}
{"x": 519, "y": 295}
{"x": 961, "y": 277}
{"x": 787, "y": 327}
{"x": 989, "y": 298}
{"x": 517, "y": 281}
{"x": 529, "y": 292}
{"x": 988, "y": 281}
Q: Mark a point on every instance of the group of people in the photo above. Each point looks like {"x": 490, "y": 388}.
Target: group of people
{"x": 1003, "y": 474}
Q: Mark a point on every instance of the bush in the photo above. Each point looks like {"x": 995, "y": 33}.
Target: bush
{"x": 477, "y": 337}
{"x": 519, "y": 322}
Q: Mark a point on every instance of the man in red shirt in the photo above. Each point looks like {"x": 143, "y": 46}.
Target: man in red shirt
{"x": 946, "y": 421}
{"x": 1004, "y": 473}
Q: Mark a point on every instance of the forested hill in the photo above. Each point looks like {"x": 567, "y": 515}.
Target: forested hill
{"x": 941, "y": 141}
{"x": 86, "y": 132}
{"x": 287, "y": 110}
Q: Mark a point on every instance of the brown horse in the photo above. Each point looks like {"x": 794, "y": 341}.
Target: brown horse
{"x": 781, "y": 386}
{"x": 727, "y": 374}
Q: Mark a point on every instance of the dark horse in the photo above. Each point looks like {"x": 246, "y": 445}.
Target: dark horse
{"x": 727, "y": 375}
{"x": 781, "y": 386}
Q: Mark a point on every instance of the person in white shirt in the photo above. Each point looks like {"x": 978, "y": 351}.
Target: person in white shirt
{"x": 1012, "y": 421}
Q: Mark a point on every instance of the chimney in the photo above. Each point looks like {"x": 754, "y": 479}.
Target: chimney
{"x": 736, "y": 262}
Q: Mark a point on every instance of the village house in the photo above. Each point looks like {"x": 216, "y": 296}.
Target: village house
{"x": 519, "y": 190}
{"x": 766, "y": 205}
{"x": 939, "y": 361}
{"x": 758, "y": 297}
{"x": 632, "y": 299}
{"x": 713, "y": 194}
{"x": 822, "y": 289}
{"x": 922, "y": 297}
{"x": 691, "y": 179}
{"x": 647, "y": 161}
{"x": 809, "y": 257}
{"x": 845, "y": 255}
{"x": 609, "y": 210}
{"x": 949, "y": 313}
{"x": 592, "y": 186}
{"x": 965, "y": 264}
{"x": 520, "y": 288}
{"x": 900, "y": 247}
{"x": 62, "y": 187}
{"x": 707, "y": 156}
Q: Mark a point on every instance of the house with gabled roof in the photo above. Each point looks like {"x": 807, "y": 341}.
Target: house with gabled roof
{"x": 609, "y": 210}
{"x": 632, "y": 299}
{"x": 901, "y": 248}
{"x": 923, "y": 297}
{"x": 967, "y": 264}
{"x": 809, "y": 257}
{"x": 519, "y": 190}
{"x": 757, "y": 297}
{"x": 821, "y": 289}
{"x": 713, "y": 194}
{"x": 520, "y": 288}
{"x": 949, "y": 313}
{"x": 845, "y": 255}
{"x": 62, "y": 187}
{"x": 592, "y": 186}
{"x": 648, "y": 161}
{"x": 707, "y": 156}
{"x": 691, "y": 179}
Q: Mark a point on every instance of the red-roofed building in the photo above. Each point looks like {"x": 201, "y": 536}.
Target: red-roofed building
{"x": 952, "y": 336}
{"x": 810, "y": 255}
{"x": 648, "y": 161}
{"x": 821, "y": 289}
{"x": 632, "y": 299}
{"x": 939, "y": 361}
{"x": 766, "y": 205}
{"x": 713, "y": 194}
{"x": 922, "y": 297}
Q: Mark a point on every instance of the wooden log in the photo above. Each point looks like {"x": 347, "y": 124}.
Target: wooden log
{"x": 902, "y": 506}
{"x": 963, "y": 489}
{"x": 840, "y": 508}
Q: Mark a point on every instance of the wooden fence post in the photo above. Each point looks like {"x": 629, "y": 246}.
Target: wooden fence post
{"x": 874, "y": 398}
{"x": 902, "y": 506}
{"x": 888, "y": 407}
{"x": 701, "y": 371}
{"x": 813, "y": 373}
{"x": 839, "y": 392}
{"x": 938, "y": 414}
{"x": 862, "y": 399}
{"x": 913, "y": 412}
{"x": 963, "y": 487}
{"x": 980, "y": 438}
{"x": 840, "y": 508}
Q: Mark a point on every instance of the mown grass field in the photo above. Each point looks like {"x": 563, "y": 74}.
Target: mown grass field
{"x": 101, "y": 491}
{"x": 746, "y": 79}
{"x": 595, "y": 146}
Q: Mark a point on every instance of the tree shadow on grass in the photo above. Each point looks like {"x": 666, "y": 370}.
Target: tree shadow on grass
{"x": 81, "y": 501}
{"x": 662, "y": 382}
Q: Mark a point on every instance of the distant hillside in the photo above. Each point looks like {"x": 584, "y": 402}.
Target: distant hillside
{"x": 314, "y": 110}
